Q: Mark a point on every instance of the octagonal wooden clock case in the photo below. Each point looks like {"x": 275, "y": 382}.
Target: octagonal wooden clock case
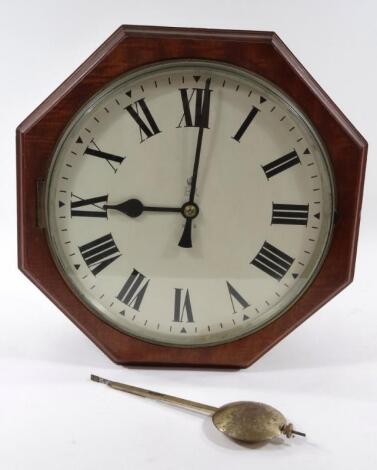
{"x": 189, "y": 197}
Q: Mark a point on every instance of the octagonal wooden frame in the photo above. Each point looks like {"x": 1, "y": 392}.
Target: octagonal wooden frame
{"x": 133, "y": 46}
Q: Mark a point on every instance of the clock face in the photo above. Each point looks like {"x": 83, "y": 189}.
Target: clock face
{"x": 189, "y": 203}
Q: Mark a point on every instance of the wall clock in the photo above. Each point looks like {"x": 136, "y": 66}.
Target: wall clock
{"x": 188, "y": 197}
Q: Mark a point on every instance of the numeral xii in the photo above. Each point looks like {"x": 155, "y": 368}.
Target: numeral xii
{"x": 199, "y": 116}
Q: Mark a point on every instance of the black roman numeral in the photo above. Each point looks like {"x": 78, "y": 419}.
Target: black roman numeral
{"x": 272, "y": 261}
{"x": 199, "y": 115}
{"x": 246, "y": 123}
{"x": 290, "y": 214}
{"x": 147, "y": 126}
{"x": 92, "y": 207}
{"x": 99, "y": 253}
{"x": 281, "y": 164}
{"x": 236, "y": 296}
{"x": 182, "y": 308}
{"x": 113, "y": 160}
{"x": 133, "y": 291}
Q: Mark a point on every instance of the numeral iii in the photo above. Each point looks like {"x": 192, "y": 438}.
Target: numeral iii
{"x": 290, "y": 214}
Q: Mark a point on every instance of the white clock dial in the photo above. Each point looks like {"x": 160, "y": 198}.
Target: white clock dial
{"x": 189, "y": 203}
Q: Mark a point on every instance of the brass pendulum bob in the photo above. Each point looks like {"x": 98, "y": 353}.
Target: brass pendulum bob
{"x": 245, "y": 421}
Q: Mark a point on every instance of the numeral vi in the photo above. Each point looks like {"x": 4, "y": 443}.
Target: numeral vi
{"x": 182, "y": 306}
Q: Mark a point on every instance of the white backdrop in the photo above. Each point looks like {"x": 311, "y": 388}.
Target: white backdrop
{"x": 323, "y": 376}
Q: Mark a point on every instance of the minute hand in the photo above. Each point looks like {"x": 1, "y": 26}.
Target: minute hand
{"x": 185, "y": 241}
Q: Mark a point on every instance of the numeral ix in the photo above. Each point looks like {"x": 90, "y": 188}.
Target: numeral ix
{"x": 92, "y": 207}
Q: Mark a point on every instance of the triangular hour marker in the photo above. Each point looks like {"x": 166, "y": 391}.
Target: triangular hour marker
{"x": 294, "y": 275}
{"x": 128, "y": 93}
{"x": 196, "y": 77}
{"x": 77, "y": 266}
{"x": 61, "y": 204}
{"x": 183, "y": 330}
{"x": 306, "y": 151}
{"x": 262, "y": 100}
{"x": 79, "y": 140}
{"x": 317, "y": 216}
{"x": 245, "y": 317}
{"x": 122, "y": 312}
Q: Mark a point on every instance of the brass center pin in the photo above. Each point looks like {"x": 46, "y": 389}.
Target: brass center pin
{"x": 190, "y": 211}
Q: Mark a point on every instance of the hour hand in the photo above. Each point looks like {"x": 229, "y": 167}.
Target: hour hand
{"x": 134, "y": 208}
{"x": 185, "y": 241}
{"x": 189, "y": 211}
